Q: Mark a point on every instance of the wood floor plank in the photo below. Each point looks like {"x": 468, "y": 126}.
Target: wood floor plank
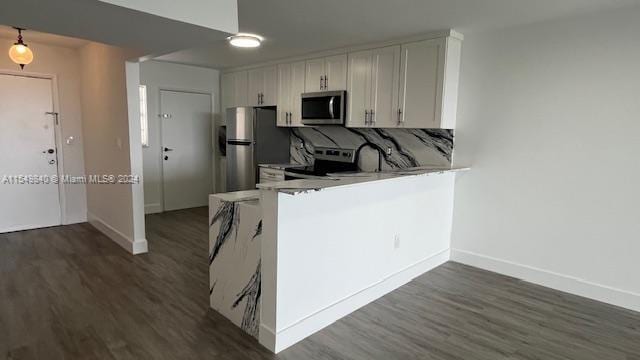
{"x": 69, "y": 292}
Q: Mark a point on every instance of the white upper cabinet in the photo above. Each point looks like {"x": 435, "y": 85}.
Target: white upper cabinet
{"x": 240, "y": 90}
{"x": 429, "y": 72}
{"x": 262, "y": 86}
{"x": 314, "y": 79}
{"x": 227, "y": 91}
{"x": 385, "y": 74}
{"x": 284, "y": 94}
{"x": 290, "y": 86}
{"x": 326, "y": 74}
{"x": 234, "y": 89}
{"x": 335, "y": 73}
{"x": 373, "y": 87}
{"x": 359, "y": 88}
{"x": 297, "y": 89}
{"x": 411, "y": 84}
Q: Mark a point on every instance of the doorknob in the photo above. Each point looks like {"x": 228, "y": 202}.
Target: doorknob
{"x": 166, "y": 149}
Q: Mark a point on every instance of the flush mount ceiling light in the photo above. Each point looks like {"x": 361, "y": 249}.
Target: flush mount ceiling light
{"x": 245, "y": 40}
{"x": 19, "y": 52}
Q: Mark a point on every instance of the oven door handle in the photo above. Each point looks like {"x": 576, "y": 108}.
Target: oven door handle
{"x": 331, "y": 115}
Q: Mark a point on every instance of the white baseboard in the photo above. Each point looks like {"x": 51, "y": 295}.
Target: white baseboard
{"x": 325, "y": 317}
{"x": 78, "y": 219}
{"x": 135, "y": 247}
{"x": 152, "y": 208}
{"x": 561, "y": 282}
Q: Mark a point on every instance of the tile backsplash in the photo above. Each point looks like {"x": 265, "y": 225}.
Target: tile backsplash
{"x": 400, "y": 148}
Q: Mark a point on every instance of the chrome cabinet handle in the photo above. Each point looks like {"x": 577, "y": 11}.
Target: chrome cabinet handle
{"x": 321, "y": 86}
{"x": 372, "y": 117}
{"x": 400, "y": 120}
{"x": 366, "y": 117}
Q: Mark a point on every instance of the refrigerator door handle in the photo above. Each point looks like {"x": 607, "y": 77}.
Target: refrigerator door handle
{"x": 240, "y": 142}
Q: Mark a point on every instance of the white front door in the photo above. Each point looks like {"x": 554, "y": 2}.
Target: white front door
{"x": 186, "y": 149}
{"x": 28, "y": 161}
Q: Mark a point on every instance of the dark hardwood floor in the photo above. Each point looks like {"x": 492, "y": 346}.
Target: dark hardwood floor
{"x": 70, "y": 293}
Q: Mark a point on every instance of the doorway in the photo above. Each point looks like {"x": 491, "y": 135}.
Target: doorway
{"x": 28, "y": 155}
{"x": 187, "y": 152}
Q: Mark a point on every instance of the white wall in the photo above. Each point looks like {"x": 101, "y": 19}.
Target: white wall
{"x": 110, "y": 207}
{"x": 161, "y": 75}
{"x": 549, "y": 119}
{"x": 64, "y": 63}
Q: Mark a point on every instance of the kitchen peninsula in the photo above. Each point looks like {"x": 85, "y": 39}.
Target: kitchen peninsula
{"x": 327, "y": 247}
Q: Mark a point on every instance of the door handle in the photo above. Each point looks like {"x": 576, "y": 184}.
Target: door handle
{"x": 166, "y": 149}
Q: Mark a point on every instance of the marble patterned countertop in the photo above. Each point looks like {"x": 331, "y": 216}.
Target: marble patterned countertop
{"x": 294, "y": 187}
{"x": 237, "y": 196}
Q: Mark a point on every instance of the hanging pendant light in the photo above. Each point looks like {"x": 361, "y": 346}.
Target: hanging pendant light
{"x": 20, "y": 52}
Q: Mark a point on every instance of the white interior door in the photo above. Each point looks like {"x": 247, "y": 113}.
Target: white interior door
{"x": 27, "y": 155}
{"x": 186, "y": 149}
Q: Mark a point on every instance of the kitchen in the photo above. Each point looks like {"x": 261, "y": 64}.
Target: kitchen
{"x": 356, "y": 142}
{"x": 364, "y": 186}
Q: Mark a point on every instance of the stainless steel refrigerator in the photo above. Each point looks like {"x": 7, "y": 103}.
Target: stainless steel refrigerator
{"x": 253, "y": 138}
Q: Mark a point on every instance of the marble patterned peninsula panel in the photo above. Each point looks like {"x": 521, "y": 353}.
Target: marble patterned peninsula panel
{"x": 399, "y": 148}
{"x": 235, "y": 228}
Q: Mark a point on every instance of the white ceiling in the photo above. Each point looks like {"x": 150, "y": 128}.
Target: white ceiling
{"x": 298, "y": 27}
{"x": 7, "y": 32}
{"x": 107, "y": 23}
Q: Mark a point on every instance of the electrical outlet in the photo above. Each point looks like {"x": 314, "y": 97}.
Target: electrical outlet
{"x": 396, "y": 241}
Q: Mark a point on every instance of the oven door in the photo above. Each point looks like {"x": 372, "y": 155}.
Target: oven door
{"x": 324, "y": 108}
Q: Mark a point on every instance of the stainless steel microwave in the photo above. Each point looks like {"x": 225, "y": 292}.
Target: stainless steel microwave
{"x": 324, "y": 108}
